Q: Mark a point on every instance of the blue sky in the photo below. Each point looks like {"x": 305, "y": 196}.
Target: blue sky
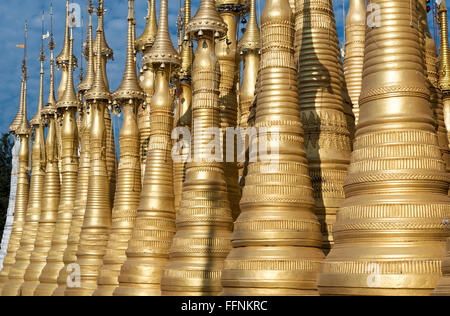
{"x": 12, "y": 24}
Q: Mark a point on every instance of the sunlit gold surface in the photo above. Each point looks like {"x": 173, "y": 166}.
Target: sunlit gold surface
{"x": 23, "y": 130}
{"x": 97, "y": 218}
{"x": 129, "y": 96}
{"x": 147, "y": 252}
{"x": 276, "y": 239}
{"x": 16, "y": 274}
{"x": 204, "y": 219}
{"x": 67, "y": 108}
{"x": 355, "y": 30}
{"x": 389, "y": 234}
{"x": 249, "y": 46}
{"x": 327, "y": 138}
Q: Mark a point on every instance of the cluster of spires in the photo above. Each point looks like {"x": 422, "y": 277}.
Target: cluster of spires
{"x": 150, "y": 226}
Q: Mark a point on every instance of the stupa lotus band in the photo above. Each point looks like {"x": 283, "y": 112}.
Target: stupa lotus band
{"x": 274, "y": 163}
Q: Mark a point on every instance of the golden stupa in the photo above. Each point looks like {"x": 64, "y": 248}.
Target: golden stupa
{"x": 17, "y": 272}
{"x": 264, "y": 163}
{"x": 389, "y": 234}
{"x": 20, "y": 127}
{"x": 129, "y": 96}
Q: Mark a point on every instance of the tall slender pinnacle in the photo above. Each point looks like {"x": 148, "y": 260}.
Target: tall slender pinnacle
{"x": 88, "y": 80}
{"x": 128, "y": 96}
{"x": 100, "y": 38}
{"x": 155, "y": 212}
{"x": 63, "y": 58}
{"x": 37, "y": 118}
{"x": 79, "y": 206}
{"x": 50, "y": 107}
{"x": 17, "y": 272}
{"x": 23, "y": 131}
{"x": 145, "y": 41}
{"x": 97, "y": 217}
{"x": 69, "y": 99}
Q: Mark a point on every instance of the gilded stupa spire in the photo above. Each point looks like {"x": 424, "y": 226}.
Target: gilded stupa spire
{"x": 36, "y": 120}
{"x": 100, "y": 36}
{"x": 207, "y": 19}
{"x": 129, "y": 88}
{"x": 147, "y": 38}
{"x": 88, "y": 80}
{"x": 50, "y": 107}
{"x": 251, "y": 40}
{"x": 69, "y": 99}
{"x": 186, "y": 53}
{"x": 98, "y": 91}
{"x": 24, "y": 128}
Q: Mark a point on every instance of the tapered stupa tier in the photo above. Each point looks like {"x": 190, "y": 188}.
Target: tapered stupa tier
{"x": 63, "y": 58}
{"x": 249, "y": 46}
{"x": 390, "y": 235}
{"x": 355, "y": 30}
{"x": 320, "y": 86}
{"x": 145, "y": 41}
{"x": 276, "y": 239}
{"x": 88, "y": 80}
{"x": 79, "y": 209}
{"x": 97, "y": 218}
{"x": 183, "y": 116}
{"x": 17, "y": 272}
{"x": 67, "y": 107}
{"x": 19, "y": 116}
{"x": 204, "y": 219}
{"x": 226, "y": 52}
{"x": 147, "y": 252}
{"x": 129, "y": 96}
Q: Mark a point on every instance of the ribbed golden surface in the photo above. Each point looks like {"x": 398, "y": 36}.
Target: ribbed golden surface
{"x": 147, "y": 252}
{"x": 19, "y": 116}
{"x": 204, "y": 219}
{"x": 49, "y": 210}
{"x": 111, "y": 158}
{"x": 429, "y": 51}
{"x": 125, "y": 203}
{"x": 226, "y": 52}
{"x": 17, "y": 272}
{"x": 20, "y": 209}
{"x": 183, "y": 116}
{"x": 321, "y": 99}
{"x": 443, "y": 286}
{"x": 390, "y": 235}
{"x": 146, "y": 80}
{"x": 249, "y": 45}
{"x": 129, "y": 96}
{"x": 69, "y": 256}
{"x": 97, "y": 218}
{"x": 355, "y": 30}
{"x": 276, "y": 239}
{"x": 54, "y": 262}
